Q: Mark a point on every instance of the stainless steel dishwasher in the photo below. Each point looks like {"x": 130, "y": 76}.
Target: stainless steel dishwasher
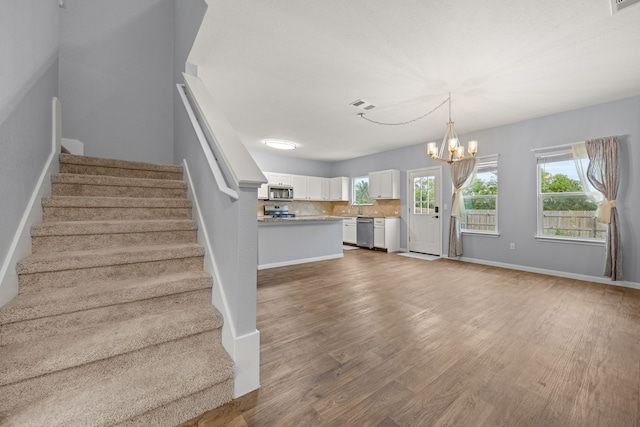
{"x": 365, "y": 232}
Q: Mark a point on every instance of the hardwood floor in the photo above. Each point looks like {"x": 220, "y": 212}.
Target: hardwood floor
{"x": 376, "y": 339}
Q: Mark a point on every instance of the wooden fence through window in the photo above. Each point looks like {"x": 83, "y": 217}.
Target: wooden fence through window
{"x": 580, "y": 224}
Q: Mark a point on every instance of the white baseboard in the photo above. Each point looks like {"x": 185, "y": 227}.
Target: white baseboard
{"x": 299, "y": 261}
{"x": 556, "y": 273}
{"x": 21, "y": 243}
{"x": 246, "y": 354}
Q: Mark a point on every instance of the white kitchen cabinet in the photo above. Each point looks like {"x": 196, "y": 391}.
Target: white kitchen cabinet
{"x": 263, "y": 192}
{"x": 339, "y": 189}
{"x": 300, "y": 191}
{"x": 314, "y": 188}
{"x": 384, "y": 184}
{"x": 279, "y": 179}
{"x": 349, "y": 230}
{"x": 272, "y": 179}
{"x": 386, "y": 234}
{"x": 326, "y": 189}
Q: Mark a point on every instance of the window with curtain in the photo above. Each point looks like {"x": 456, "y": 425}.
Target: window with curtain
{"x": 567, "y": 202}
{"x": 481, "y": 198}
{"x": 360, "y": 191}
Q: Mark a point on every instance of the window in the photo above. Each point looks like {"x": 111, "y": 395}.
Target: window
{"x": 481, "y": 198}
{"x": 361, "y": 191}
{"x": 565, "y": 210}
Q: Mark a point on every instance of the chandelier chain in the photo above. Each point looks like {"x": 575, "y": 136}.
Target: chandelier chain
{"x": 409, "y": 121}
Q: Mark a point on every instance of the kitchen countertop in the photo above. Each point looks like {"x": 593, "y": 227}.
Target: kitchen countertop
{"x": 303, "y": 218}
{"x": 369, "y": 216}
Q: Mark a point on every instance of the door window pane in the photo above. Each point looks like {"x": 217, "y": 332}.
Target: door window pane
{"x": 424, "y": 196}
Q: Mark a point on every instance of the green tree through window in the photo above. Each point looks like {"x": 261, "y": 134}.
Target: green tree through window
{"x": 361, "y": 191}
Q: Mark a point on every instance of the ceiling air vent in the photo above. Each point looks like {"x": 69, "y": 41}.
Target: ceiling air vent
{"x": 618, "y": 5}
{"x": 366, "y": 105}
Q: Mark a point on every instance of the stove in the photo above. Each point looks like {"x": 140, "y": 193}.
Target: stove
{"x": 277, "y": 211}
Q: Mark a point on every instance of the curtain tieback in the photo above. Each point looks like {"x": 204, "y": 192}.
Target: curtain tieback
{"x": 457, "y": 207}
{"x": 604, "y": 211}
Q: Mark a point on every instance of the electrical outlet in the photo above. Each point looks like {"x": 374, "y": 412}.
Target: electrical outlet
{"x": 512, "y": 246}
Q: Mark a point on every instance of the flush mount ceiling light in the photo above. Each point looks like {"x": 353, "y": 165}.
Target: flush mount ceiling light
{"x": 279, "y": 144}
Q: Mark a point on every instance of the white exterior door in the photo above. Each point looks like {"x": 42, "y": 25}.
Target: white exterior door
{"x": 425, "y": 211}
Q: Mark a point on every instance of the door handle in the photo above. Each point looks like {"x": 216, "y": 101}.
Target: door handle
{"x": 436, "y": 216}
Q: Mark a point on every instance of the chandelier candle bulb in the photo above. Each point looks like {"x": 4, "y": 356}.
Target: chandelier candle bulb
{"x": 432, "y": 149}
{"x": 473, "y": 147}
{"x": 453, "y": 144}
{"x": 460, "y": 151}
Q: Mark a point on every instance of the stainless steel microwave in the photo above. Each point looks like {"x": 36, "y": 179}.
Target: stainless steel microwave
{"x": 280, "y": 192}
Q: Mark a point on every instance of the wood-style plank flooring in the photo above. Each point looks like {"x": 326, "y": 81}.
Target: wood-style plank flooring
{"x": 376, "y": 339}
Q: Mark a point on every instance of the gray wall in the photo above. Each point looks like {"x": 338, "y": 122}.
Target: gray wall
{"x": 29, "y": 80}
{"x": 271, "y": 162}
{"x": 116, "y": 75}
{"x": 517, "y": 186}
{"x": 187, "y": 20}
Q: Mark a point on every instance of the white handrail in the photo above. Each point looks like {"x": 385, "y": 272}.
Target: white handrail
{"x": 213, "y": 164}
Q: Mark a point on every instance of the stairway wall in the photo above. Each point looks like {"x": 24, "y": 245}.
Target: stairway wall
{"x": 116, "y": 75}
{"x": 29, "y": 68}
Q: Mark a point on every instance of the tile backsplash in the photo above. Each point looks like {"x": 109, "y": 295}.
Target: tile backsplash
{"x": 380, "y": 208}
{"x": 301, "y": 207}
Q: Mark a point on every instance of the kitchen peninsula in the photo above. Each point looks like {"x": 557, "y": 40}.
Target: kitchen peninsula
{"x": 297, "y": 240}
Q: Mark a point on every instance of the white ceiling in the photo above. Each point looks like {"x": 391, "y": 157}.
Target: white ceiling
{"x": 289, "y": 69}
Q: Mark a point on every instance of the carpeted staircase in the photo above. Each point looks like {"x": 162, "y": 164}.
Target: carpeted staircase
{"x": 114, "y": 323}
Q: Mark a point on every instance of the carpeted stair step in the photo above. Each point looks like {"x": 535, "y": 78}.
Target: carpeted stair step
{"x": 69, "y": 208}
{"x": 55, "y": 270}
{"x": 91, "y": 295}
{"x": 84, "y": 165}
{"x": 84, "y": 235}
{"x": 87, "y": 296}
{"x": 113, "y": 186}
{"x": 182, "y": 410}
{"x": 39, "y": 328}
{"x": 126, "y": 386}
{"x": 19, "y": 362}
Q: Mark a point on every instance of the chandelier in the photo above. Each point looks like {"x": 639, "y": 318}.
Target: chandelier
{"x": 450, "y": 150}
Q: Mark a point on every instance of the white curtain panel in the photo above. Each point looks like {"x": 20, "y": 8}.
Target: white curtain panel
{"x": 579, "y": 155}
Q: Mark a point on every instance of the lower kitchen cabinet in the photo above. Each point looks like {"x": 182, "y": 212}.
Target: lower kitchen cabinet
{"x": 386, "y": 233}
{"x": 349, "y": 230}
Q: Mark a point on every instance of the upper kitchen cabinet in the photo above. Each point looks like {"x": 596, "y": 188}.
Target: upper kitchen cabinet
{"x": 339, "y": 188}
{"x": 318, "y": 188}
{"x": 384, "y": 184}
{"x": 273, "y": 179}
{"x": 300, "y": 191}
{"x": 279, "y": 179}
{"x": 310, "y": 188}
